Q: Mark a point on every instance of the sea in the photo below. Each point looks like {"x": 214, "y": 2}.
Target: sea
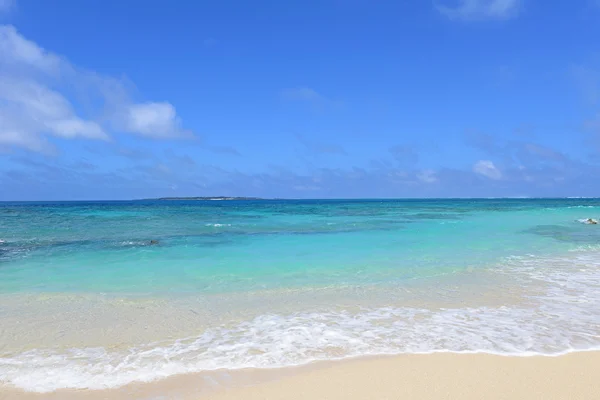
{"x": 99, "y": 295}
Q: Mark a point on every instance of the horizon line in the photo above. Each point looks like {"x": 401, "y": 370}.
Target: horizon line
{"x": 249, "y": 198}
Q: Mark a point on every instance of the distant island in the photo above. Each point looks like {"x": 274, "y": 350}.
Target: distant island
{"x": 209, "y": 198}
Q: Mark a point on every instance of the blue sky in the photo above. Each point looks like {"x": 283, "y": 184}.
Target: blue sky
{"x": 302, "y": 99}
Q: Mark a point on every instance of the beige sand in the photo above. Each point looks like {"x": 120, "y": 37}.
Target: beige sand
{"x": 437, "y": 377}
{"x": 411, "y": 377}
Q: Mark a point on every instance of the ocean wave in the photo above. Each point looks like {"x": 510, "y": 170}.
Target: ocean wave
{"x": 137, "y": 243}
{"x": 217, "y": 225}
{"x": 586, "y": 248}
{"x": 561, "y": 314}
{"x": 133, "y": 243}
{"x": 587, "y": 221}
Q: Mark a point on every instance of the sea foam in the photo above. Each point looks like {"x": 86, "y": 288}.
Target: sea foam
{"x": 559, "y": 314}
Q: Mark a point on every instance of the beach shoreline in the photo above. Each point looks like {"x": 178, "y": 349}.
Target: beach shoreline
{"x": 260, "y": 295}
{"x": 407, "y": 376}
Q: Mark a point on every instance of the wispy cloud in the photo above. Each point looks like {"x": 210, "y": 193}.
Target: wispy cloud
{"x": 37, "y": 177}
{"x": 427, "y": 176}
{"x": 479, "y": 9}
{"x": 36, "y": 101}
{"x": 309, "y": 96}
{"x": 302, "y": 94}
{"x": 515, "y": 152}
{"x": 181, "y": 161}
{"x": 516, "y": 162}
{"x": 30, "y": 107}
{"x": 488, "y": 169}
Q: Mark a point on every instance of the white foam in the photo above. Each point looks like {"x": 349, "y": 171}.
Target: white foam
{"x": 589, "y": 247}
{"x": 561, "y": 315}
{"x": 127, "y": 243}
{"x": 218, "y": 225}
{"x": 587, "y": 221}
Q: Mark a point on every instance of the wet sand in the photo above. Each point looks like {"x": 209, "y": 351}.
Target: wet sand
{"x": 416, "y": 377}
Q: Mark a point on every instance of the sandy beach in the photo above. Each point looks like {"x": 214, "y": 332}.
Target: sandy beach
{"x": 416, "y": 377}
{"x": 441, "y": 376}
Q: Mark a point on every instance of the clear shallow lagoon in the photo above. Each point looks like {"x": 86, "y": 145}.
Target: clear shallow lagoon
{"x": 89, "y": 303}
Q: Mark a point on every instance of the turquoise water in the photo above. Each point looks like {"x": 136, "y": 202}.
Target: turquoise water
{"x": 235, "y": 246}
{"x": 375, "y": 277}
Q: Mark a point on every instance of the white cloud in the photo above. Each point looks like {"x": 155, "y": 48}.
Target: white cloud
{"x": 18, "y": 52}
{"x": 427, "y": 176}
{"x": 157, "y": 120}
{"x": 6, "y": 5}
{"x": 481, "y": 9}
{"x": 35, "y": 87}
{"x": 24, "y": 139}
{"x": 28, "y": 111}
{"x": 74, "y": 127}
{"x": 488, "y": 169}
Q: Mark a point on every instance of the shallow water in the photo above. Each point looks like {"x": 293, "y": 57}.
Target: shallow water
{"x": 88, "y": 302}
